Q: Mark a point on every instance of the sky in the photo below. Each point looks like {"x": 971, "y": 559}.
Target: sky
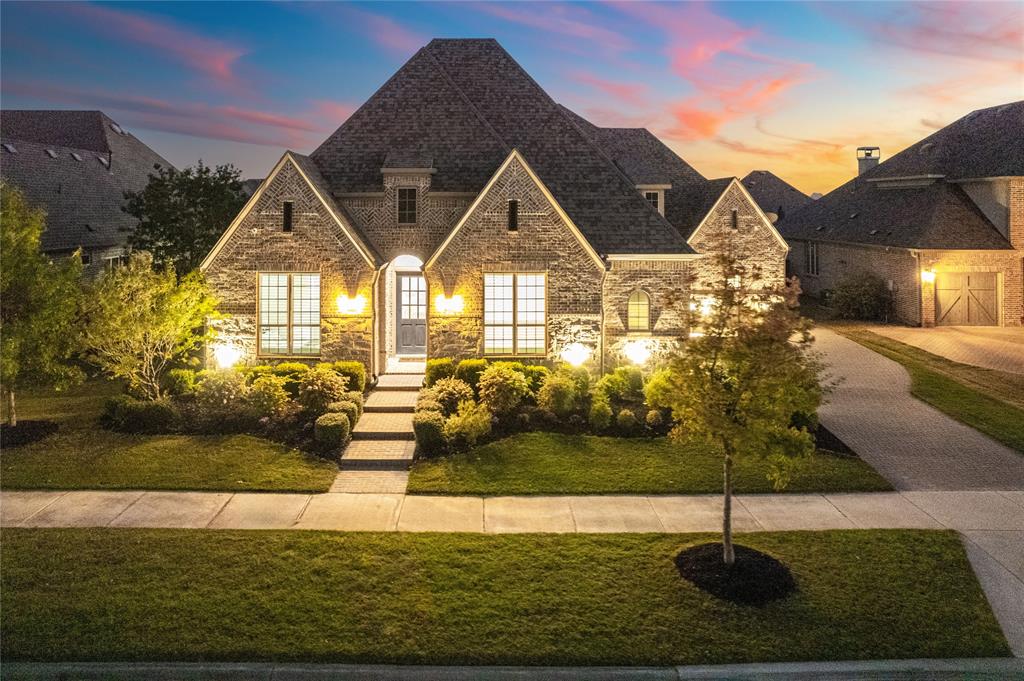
{"x": 790, "y": 87}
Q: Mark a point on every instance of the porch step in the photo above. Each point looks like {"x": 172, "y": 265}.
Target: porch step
{"x": 371, "y": 482}
{"x": 378, "y": 426}
{"x": 390, "y": 401}
{"x": 378, "y": 455}
{"x": 411, "y": 382}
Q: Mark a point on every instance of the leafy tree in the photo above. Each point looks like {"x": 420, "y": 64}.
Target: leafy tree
{"x": 39, "y": 304}
{"x": 182, "y": 213}
{"x": 739, "y": 383}
{"x": 141, "y": 321}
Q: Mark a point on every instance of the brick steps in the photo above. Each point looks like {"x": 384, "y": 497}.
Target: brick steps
{"x": 402, "y": 382}
{"x": 390, "y": 401}
{"x": 383, "y": 441}
{"x": 378, "y": 455}
{"x": 384, "y": 426}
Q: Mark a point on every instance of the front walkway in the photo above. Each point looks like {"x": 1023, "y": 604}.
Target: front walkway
{"x": 989, "y": 347}
{"x": 915, "y": 446}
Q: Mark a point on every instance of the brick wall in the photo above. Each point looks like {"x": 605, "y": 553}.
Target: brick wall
{"x": 667, "y": 282}
{"x": 1006, "y": 263}
{"x": 315, "y": 244}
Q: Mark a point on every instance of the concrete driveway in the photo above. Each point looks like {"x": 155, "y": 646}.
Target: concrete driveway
{"x": 984, "y": 346}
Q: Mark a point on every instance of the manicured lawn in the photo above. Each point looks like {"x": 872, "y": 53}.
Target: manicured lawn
{"x": 552, "y": 463}
{"x": 987, "y": 400}
{"x": 82, "y": 455}
{"x": 103, "y": 594}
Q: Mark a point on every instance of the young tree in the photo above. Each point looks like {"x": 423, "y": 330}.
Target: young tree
{"x": 141, "y": 320}
{"x": 39, "y": 304}
{"x": 182, "y": 213}
{"x": 739, "y": 382}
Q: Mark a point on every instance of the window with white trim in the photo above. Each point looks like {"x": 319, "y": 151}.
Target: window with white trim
{"x": 289, "y": 314}
{"x": 638, "y": 312}
{"x": 811, "y": 263}
{"x": 515, "y": 314}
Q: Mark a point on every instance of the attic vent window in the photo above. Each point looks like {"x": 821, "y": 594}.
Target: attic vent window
{"x": 9, "y": 148}
{"x": 104, "y": 162}
{"x": 51, "y": 153}
{"x": 286, "y": 216}
{"x": 735, "y": 219}
{"x": 75, "y": 156}
{"x": 513, "y": 215}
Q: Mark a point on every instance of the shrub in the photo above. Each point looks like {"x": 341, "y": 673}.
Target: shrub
{"x": 347, "y": 408}
{"x": 502, "y": 388}
{"x": 221, "y": 402}
{"x": 267, "y": 395}
{"x": 626, "y": 421}
{"x": 579, "y": 375}
{"x": 654, "y": 419}
{"x": 319, "y": 387}
{"x": 471, "y": 422}
{"x": 331, "y": 430}
{"x": 428, "y": 404}
{"x": 534, "y": 373}
{"x": 558, "y": 395}
{"x": 450, "y": 393}
{"x": 624, "y": 385}
{"x": 469, "y": 370}
{"x": 356, "y": 398}
{"x": 862, "y": 295}
{"x": 251, "y": 373}
{"x": 292, "y": 373}
{"x": 355, "y": 372}
{"x": 129, "y": 415}
{"x": 179, "y": 382}
{"x": 441, "y": 367}
{"x": 600, "y": 413}
{"x": 658, "y": 391}
{"x": 429, "y": 429}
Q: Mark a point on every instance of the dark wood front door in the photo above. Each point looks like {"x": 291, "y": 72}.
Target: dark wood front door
{"x": 966, "y": 299}
{"x": 411, "y": 312}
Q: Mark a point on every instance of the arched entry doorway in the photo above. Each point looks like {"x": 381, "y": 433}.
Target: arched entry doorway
{"x": 406, "y": 299}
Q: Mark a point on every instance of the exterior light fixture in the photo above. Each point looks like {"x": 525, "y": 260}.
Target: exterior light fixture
{"x": 637, "y": 352}
{"x": 576, "y": 353}
{"x": 226, "y": 356}
{"x": 928, "y": 276}
{"x": 449, "y": 304}
{"x": 353, "y": 305}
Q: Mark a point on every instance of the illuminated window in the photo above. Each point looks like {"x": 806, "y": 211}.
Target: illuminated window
{"x": 638, "y": 313}
{"x": 289, "y": 306}
{"x": 811, "y": 253}
{"x": 515, "y": 314}
{"x": 407, "y": 205}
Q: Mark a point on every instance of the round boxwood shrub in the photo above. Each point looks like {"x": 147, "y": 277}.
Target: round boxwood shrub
{"x": 429, "y": 429}
{"x": 126, "y": 414}
{"x": 450, "y": 393}
{"x": 558, "y": 395}
{"x": 331, "y": 430}
{"x": 471, "y": 423}
{"x": 355, "y": 372}
{"x": 438, "y": 368}
{"x": 469, "y": 370}
{"x": 347, "y": 408}
{"x": 356, "y": 398}
{"x": 600, "y": 416}
{"x": 626, "y": 421}
{"x": 320, "y": 386}
{"x": 654, "y": 419}
{"x": 292, "y": 373}
{"x": 179, "y": 382}
{"x": 502, "y": 388}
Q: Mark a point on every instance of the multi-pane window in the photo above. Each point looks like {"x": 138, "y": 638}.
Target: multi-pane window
{"x": 289, "y": 306}
{"x": 811, "y": 253}
{"x": 638, "y": 312}
{"x": 515, "y": 314}
{"x": 654, "y": 198}
{"x": 406, "y": 205}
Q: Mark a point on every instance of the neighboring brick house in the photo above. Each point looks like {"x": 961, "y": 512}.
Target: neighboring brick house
{"x": 461, "y": 212}
{"x": 77, "y": 165}
{"x": 774, "y": 194}
{"x": 942, "y": 222}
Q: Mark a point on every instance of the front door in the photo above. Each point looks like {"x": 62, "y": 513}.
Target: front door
{"x": 411, "y": 312}
{"x": 966, "y": 299}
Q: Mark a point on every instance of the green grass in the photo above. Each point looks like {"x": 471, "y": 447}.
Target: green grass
{"x": 82, "y": 455}
{"x": 552, "y": 463}
{"x": 177, "y": 595}
{"x": 987, "y": 400}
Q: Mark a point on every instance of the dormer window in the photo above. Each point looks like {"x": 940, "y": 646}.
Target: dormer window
{"x": 513, "y": 215}
{"x": 286, "y": 216}
{"x": 654, "y": 194}
{"x": 654, "y": 198}
{"x": 407, "y": 205}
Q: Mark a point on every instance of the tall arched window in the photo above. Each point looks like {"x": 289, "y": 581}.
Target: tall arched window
{"x": 638, "y": 314}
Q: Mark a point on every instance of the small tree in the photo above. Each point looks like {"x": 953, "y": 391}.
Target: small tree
{"x": 182, "y": 213}
{"x": 142, "y": 320}
{"x": 739, "y": 382}
{"x": 39, "y": 304}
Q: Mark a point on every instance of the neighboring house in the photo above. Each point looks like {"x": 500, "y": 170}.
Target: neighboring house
{"x": 774, "y": 194}
{"x": 461, "y": 212}
{"x": 77, "y": 165}
{"x": 942, "y": 222}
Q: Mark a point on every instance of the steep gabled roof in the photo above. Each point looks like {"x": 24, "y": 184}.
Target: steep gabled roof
{"x": 82, "y": 198}
{"x": 465, "y": 104}
{"x": 773, "y": 194}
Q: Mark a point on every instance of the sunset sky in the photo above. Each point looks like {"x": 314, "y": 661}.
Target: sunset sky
{"x": 789, "y": 87}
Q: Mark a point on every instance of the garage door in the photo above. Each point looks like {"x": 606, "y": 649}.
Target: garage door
{"x": 966, "y": 299}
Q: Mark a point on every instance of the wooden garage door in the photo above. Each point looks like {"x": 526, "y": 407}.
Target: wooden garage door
{"x": 966, "y": 299}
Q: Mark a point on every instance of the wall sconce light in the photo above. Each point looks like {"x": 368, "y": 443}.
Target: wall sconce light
{"x": 637, "y": 352}
{"x": 449, "y": 304}
{"x": 928, "y": 276}
{"x": 576, "y": 353}
{"x": 354, "y": 305}
{"x": 703, "y": 306}
{"x": 226, "y": 356}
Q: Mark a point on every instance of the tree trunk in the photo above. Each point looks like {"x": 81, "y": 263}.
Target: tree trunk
{"x": 728, "y": 555}
{"x": 12, "y": 416}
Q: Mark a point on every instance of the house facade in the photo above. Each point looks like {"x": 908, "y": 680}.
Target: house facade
{"x": 942, "y": 223}
{"x": 461, "y": 212}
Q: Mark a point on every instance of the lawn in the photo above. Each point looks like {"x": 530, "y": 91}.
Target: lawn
{"x": 179, "y": 595}
{"x": 82, "y": 455}
{"x": 552, "y": 463}
{"x": 987, "y": 400}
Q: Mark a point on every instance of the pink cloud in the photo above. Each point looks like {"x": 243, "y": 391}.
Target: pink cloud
{"x": 387, "y": 32}
{"x": 742, "y": 147}
{"x": 572, "y": 21}
{"x": 628, "y": 93}
{"x": 335, "y": 112}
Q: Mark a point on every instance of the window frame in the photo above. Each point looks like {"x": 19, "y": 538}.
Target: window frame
{"x": 514, "y": 325}
{"x": 289, "y": 325}
{"x": 629, "y": 316}
{"x": 812, "y": 263}
{"x": 415, "y": 205}
{"x": 287, "y": 216}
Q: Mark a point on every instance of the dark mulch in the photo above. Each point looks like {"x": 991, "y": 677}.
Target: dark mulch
{"x": 26, "y": 432}
{"x": 754, "y": 579}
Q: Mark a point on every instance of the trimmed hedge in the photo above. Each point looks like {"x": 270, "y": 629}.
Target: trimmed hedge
{"x": 347, "y": 408}
{"x": 469, "y": 370}
{"x": 355, "y": 372}
{"x": 126, "y": 414}
{"x": 332, "y": 430}
{"x": 442, "y": 367}
{"x": 429, "y": 429}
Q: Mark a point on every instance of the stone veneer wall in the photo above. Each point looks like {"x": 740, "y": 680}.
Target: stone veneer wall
{"x": 667, "y": 282}
{"x": 315, "y": 244}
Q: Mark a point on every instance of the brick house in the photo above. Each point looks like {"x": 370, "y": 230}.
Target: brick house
{"x": 942, "y": 222}
{"x": 461, "y": 212}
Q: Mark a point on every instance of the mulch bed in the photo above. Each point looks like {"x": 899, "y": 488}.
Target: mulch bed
{"x": 754, "y": 579}
{"x": 26, "y": 432}
{"x": 826, "y": 439}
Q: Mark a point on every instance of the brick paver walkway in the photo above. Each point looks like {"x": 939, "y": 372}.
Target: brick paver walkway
{"x": 984, "y": 346}
{"x": 915, "y": 446}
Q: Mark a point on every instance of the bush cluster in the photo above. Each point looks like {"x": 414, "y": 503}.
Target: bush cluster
{"x": 861, "y": 295}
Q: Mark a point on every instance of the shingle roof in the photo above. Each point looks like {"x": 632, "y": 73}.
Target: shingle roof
{"x": 83, "y": 198}
{"x": 466, "y": 104}
{"x": 773, "y": 194}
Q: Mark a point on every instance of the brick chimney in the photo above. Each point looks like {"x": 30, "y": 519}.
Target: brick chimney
{"x": 867, "y": 158}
